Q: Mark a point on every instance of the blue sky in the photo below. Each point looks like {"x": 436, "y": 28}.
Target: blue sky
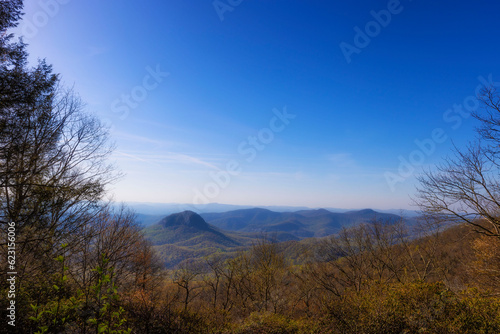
{"x": 197, "y": 92}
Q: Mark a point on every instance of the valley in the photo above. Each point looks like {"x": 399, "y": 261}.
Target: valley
{"x": 188, "y": 236}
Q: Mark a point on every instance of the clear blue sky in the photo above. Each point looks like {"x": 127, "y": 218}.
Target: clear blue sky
{"x": 359, "y": 100}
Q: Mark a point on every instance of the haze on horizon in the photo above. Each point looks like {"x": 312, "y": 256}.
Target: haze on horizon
{"x": 287, "y": 103}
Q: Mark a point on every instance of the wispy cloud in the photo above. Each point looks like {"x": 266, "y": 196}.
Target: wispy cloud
{"x": 166, "y": 158}
{"x": 191, "y": 160}
{"x": 144, "y": 140}
{"x": 135, "y": 157}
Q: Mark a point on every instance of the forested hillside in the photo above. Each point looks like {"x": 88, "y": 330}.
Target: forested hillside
{"x": 186, "y": 236}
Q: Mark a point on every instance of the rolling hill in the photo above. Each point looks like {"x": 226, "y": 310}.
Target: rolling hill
{"x": 187, "y": 229}
{"x": 188, "y": 235}
{"x": 301, "y": 224}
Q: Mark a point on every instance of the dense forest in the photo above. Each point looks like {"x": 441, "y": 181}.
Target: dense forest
{"x": 71, "y": 262}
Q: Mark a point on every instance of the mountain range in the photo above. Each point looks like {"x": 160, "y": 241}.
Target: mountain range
{"x": 300, "y": 224}
{"x": 152, "y": 212}
{"x": 188, "y": 235}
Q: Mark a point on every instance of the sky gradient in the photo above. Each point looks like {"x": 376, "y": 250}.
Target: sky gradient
{"x": 307, "y": 103}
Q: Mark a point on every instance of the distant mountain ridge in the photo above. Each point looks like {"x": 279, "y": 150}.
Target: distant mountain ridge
{"x": 170, "y": 208}
{"x": 150, "y": 213}
{"x": 186, "y": 234}
{"x": 302, "y": 224}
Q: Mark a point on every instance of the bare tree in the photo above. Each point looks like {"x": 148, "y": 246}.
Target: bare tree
{"x": 215, "y": 278}
{"x": 53, "y": 159}
{"x": 186, "y": 279}
{"x": 359, "y": 256}
{"x": 53, "y": 180}
{"x": 489, "y": 116}
{"x": 269, "y": 271}
{"x": 466, "y": 188}
{"x": 304, "y": 289}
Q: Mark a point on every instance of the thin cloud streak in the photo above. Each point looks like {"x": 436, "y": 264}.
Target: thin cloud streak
{"x": 168, "y": 157}
{"x": 142, "y": 139}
